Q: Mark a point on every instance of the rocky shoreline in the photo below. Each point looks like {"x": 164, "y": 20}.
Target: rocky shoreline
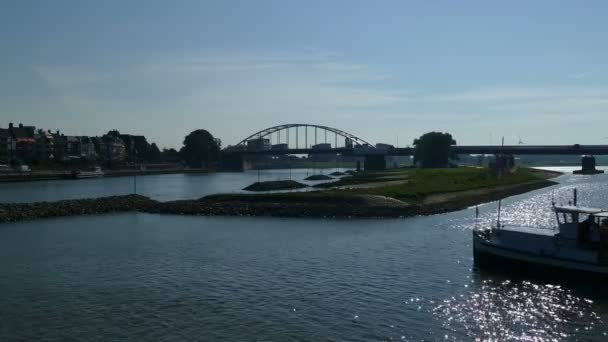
{"x": 358, "y": 206}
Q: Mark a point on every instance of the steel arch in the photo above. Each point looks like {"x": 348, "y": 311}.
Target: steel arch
{"x": 265, "y": 132}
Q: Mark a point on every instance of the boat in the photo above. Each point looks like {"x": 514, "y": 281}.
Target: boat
{"x": 78, "y": 174}
{"x": 577, "y": 244}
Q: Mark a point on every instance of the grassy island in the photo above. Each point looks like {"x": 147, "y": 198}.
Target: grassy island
{"x": 394, "y": 193}
{"x": 275, "y": 185}
{"x": 318, "y": 177}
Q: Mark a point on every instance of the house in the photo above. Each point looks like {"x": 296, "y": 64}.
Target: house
{"x": 59, "y": 146}
{"x": 259, "y": 144}
{"x": 23, "y": 142}
{"x": 6, "y": 142}
{"x": 44, "y": 147}
{"x": 87, "y": 148}
{"x": 73, "y": 146}
{"x": 113, "y": 147}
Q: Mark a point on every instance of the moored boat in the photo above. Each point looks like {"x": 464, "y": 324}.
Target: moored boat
{"x": 577, "y": 244}
{"x": 97, "y": 172}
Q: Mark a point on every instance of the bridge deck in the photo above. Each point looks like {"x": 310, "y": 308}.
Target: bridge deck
{"x": 511, "y": 149}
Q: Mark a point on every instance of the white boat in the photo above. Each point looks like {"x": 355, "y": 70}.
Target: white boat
{"x": 97, "y": 172}
{"x": 577, "y": 244}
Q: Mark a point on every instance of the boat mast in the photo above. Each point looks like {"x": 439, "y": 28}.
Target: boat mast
{"x": 498, "y": 220}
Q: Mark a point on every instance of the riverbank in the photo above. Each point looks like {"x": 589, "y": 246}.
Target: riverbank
{"x": 351, "y": 203}
{"x": 34, "y": 176}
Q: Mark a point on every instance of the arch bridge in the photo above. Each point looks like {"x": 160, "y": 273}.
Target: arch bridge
{"x": 302, "y": 137}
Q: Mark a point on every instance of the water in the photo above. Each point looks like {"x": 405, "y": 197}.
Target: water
{"x": 160, "y": 187}
{"x": 178, "y": 278}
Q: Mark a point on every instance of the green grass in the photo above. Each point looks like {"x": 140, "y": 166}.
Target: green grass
{"x": 421, "y": 183}
{"x": 424, "y": 182}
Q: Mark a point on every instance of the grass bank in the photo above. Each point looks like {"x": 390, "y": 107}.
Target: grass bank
{"x": 398, "y": 193}
{"x": 395, "y": 193}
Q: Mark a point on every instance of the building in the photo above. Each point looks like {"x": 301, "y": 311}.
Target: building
{"x": 45, "y": 146}
{"x": 72, "y": 147}
{"x": 59, "y": 147}
{"x": 24, "y": 145}
{"x": 116, "y": 149}
{"x": 323, "y": 146}
{"x": 87, "y": 148}
{"x": 260, "y": 144}
{"x": 6, "y": 142}
{"x": 385, "y": 147}
{"x": 279, "y": 147}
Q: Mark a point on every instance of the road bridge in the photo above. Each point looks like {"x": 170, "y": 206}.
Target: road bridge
{"x": 313, "y": 139}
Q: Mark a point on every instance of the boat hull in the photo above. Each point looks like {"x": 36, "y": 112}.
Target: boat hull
{"x": 489, "y": 256}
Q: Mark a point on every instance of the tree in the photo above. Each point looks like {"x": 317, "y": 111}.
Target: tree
{"x": 153, "y": 153}
{"x": 200, "y": 149}
{"x": 170, "y": 156}
{"x": 433, "y": 150}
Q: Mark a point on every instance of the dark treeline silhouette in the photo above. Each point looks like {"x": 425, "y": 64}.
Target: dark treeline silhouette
{"x": 432, "y": 150}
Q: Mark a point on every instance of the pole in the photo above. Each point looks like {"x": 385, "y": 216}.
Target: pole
{"x": 575, "y": 199}
{"x": 498, "y": 221}
{"x": 476, "y": 217}
{"x": 135, "y": 184}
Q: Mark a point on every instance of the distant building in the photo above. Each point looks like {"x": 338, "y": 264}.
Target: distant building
{"x": 259, "y": 144}
{"x": 279, "y": 147}
{"x": 384, "y": 146}
{"x": 234, "y": 148}
{"x": 23, "y": 142}
{"x": 6, "y": 142}
{"x": 73, "y": 147}
{"x": 323, "y": 146}
{"x": 87, "y": 148}
{"x": 59, "y": 147}
{"x": 348, "y": 143}
{"x": 45, "y": 145}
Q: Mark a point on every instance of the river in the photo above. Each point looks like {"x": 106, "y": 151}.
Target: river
{"x": 144, "y": 277}
{"x": 159, "y": 187}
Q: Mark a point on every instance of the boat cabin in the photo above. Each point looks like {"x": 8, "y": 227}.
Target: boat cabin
{"x": 580, "y": 223}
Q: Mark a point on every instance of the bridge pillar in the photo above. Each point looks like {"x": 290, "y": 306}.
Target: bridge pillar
{"x": 588, "y": 166}
{"x": 375, "y": 162}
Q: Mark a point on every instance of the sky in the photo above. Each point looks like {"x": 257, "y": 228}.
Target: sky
{"x": 386, "y": 71}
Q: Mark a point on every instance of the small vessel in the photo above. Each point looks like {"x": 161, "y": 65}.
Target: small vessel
{"x": 577, "y": 244}
{"x": 97, "y": 172}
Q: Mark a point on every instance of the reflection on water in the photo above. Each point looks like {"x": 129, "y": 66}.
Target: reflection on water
{"x": 519, "y": 311}
{"x": 176, "y": 278}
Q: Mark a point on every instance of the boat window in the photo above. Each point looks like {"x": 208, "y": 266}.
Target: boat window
{"x": 582, "y": 217}
{"x": 568, "y": 218}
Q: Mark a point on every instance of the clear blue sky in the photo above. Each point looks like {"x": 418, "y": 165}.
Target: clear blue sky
{"x": 384, "y": 70}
